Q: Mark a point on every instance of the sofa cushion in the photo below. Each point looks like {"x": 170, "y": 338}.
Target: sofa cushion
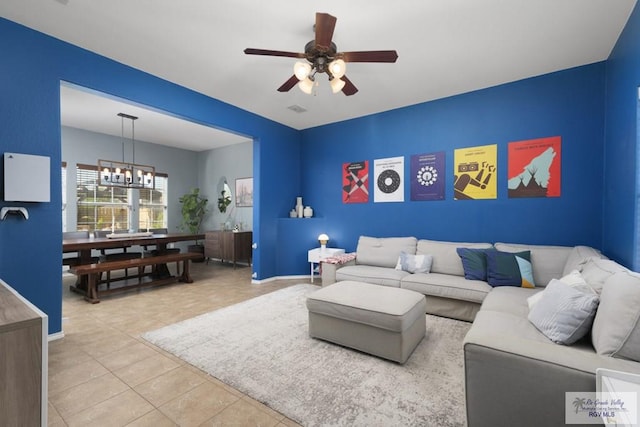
{"x": 564, "y": 314}
{"x": 509, "y": 299}
{"x": 509, "y": 269}
{"x": 376, "y": 275}
{"x": 445, "y": 257}
{"x": 547, "y": 261}
{"x": 616, "y": 328}
{"x": 474, "y": 263}
{"x": 414, "y": 263}
{"x": 383, "y": 251}
{"x": 597, "y": 271}
{"x": 580, "y": 255}
{"x": 446, "y": 286}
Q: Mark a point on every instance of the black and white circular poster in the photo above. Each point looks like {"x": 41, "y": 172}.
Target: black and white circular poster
{"x": 389, "y": 180}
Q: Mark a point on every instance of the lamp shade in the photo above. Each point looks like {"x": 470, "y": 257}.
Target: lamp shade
{"x": 323, "y": 239}
{"x": 337, "y": 68}
{"x": 336, "y": 85}
{"x": 301, "y": 70}
{"x": 306, "y": 85}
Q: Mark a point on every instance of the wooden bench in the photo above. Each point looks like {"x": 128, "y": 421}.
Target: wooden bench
{"x": 94, "y": 271}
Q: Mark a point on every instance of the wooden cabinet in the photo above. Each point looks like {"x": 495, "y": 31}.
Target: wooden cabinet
{"x": 23, "y": 361}
{"x": 228, "y": 246}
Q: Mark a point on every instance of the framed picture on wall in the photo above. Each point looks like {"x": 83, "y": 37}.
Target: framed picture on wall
{"x": 244, "y": 192}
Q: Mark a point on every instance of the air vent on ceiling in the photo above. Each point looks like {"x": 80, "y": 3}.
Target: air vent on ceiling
{"x": 296, "y": 108}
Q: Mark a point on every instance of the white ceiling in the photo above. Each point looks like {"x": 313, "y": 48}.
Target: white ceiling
{"x": 445, "y": 47}
{"x": 83, "y": 109}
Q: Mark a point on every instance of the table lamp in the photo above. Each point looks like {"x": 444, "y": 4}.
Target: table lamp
{"x": 323, "y": 239}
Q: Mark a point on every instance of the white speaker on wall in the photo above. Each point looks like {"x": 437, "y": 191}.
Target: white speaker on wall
{"x": 26, "y": 178}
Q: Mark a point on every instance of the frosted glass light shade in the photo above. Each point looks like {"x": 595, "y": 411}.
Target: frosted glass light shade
{"x": 336, "y": 85}
{"x": 337, "y": 68}
{"x": 323, "y": 239}
{"x": 306, "y": 86}
{"x": 301, "y": 70}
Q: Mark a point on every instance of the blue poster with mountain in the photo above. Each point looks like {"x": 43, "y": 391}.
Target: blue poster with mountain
{"x": 427, "y": 176}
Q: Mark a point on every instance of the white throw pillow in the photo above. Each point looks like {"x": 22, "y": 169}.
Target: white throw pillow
{"x": 616, "y": 328}
{"x": 414, "y": 263}
{"x": 573, "y": 279}
{"x": 564, "y": 314}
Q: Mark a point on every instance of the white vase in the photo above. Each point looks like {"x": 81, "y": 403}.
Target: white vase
{"x": 308, "y": 212}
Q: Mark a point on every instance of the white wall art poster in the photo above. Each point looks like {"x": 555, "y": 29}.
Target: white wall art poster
{"x": 389, "y": 180}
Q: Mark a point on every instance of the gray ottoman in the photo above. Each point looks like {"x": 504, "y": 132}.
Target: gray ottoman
{"x": 380, "y": 320}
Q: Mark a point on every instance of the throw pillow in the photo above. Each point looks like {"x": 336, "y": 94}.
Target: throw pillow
{"x": 509, "y": 269}
{"x": 573, "y": 279}
{"x": 564, "y": 314}
{"x": 414, "y": 263}
{"x": 616, "y": 328}
{"x": 474, "y": 263}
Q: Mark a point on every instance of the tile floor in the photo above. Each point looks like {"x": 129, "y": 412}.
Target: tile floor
{"x": 103, "y": 374}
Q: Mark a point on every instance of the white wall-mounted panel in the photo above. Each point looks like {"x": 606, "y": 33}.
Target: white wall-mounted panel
{"x": 26, "y": 178}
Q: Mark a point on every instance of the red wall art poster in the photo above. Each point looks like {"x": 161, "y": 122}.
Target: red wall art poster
{"x": 534, "y": 168}
{"x": 355, "y": 182}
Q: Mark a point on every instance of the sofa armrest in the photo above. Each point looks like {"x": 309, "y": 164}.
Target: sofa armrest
{"x": 329, "y": 271}
{"x": 504, "y": 374}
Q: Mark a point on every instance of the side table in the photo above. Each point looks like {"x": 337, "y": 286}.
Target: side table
{"x": 316, "y": 256}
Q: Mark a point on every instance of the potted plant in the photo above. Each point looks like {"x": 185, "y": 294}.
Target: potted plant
{"x": 194, "y": 208}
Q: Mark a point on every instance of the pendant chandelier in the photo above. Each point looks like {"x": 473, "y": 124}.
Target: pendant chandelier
{"x": 115, "y": 173}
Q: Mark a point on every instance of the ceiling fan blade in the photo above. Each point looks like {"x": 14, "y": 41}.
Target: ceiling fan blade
{"x": 349, "y": 88}
{"x": 370, "y": 56}
{"x": 325, "y": 24}
{"x": 250, "y": 51}
{"x": 286, "y": 87}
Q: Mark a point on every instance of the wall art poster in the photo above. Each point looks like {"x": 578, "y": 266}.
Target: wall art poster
{"x": 244, "y": 192}
{"x": 355, "y": 182}
{"x": 475, "y": 174}
{"x": 427, "y": 176}
{"x": 534, "y": 168}
{"x": 389, "y": 180}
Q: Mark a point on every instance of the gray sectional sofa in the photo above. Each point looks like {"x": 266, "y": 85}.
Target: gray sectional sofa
{"x": 514, "y": 374}
{"x": 447, "y": 291}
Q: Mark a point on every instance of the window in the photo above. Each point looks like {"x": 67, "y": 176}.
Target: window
{"x": 153, "y": 205}
{"x": 99, "y": 207}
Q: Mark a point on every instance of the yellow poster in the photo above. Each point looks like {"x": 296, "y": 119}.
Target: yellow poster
{"x": 476, "y": 173}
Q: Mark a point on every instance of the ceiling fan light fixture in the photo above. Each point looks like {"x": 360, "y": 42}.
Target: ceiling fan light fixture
{"x": 306, "y": 86}
{"x": 337, "y": 85}
{"x": 337, "y": 68}
{"x": 302, "y": 70}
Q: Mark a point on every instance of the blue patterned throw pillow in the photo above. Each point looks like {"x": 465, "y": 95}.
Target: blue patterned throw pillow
{"x": 509, "y": 269}
{"x": 474, "y": 263}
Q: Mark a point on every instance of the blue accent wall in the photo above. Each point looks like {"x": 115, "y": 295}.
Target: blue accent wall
{"x": 568, "y": 103}
{"x": 586, "y": 106}
{"x": 32, "y": 65}
{"x": 620, "y": 225}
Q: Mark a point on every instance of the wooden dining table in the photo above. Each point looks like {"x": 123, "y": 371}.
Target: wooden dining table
{"x": 84, "y": 247}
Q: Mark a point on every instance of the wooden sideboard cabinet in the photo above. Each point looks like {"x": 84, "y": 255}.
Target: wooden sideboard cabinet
{"x": 231, "y": 246}
{"x": 23, "y": 361}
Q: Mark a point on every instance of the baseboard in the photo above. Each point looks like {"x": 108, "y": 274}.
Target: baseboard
{"x": 271, "y": 279}
{"x": 55, "y": 336}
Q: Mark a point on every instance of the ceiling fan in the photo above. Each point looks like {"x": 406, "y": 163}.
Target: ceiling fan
{"x": 322, "y": 56}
